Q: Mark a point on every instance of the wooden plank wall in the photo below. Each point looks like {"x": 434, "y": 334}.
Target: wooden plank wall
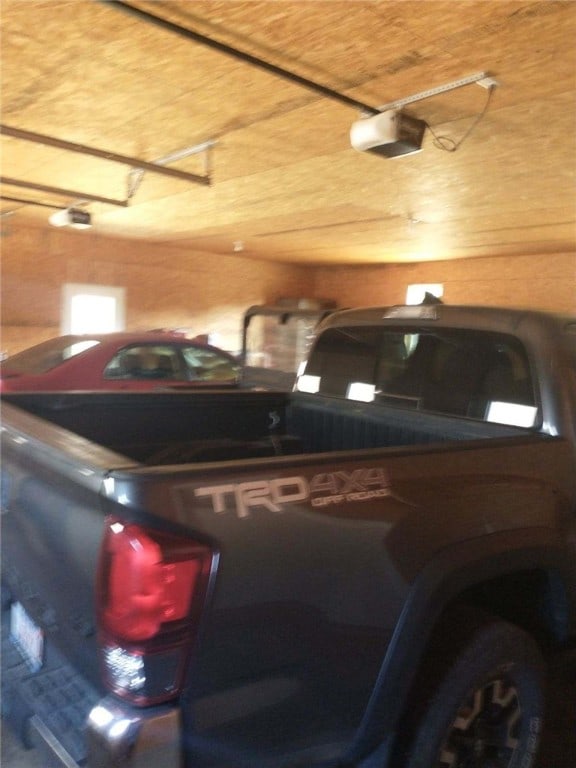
{"x": 171, "y": 287}
{"x": 537, "y": 281}
{"x": 165, "y": 286}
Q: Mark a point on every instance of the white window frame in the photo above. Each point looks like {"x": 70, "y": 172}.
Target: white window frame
{"x": 416, "y": 291}
{"x": 72, "y": 290}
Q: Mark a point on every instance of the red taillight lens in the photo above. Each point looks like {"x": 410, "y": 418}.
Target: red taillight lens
{"x": 143, "y": 589}
{"x": 152, "y": 587}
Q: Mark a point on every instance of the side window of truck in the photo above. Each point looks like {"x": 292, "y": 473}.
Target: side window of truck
{"x": 473, "y": 374}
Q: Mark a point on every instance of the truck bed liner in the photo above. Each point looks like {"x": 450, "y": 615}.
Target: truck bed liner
{"x": 224, "y": 426}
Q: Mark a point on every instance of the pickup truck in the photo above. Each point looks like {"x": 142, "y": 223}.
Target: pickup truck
{"x": 369, "y": 571}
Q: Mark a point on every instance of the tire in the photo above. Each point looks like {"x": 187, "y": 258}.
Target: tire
{"x": 481, "y": 706}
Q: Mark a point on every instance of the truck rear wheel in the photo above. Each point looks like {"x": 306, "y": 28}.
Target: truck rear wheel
{"x": 481, "y": 706}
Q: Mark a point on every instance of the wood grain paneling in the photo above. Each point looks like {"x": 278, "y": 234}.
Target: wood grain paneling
{"x": 285, "y": 179}
{"x": 168, "y": 286}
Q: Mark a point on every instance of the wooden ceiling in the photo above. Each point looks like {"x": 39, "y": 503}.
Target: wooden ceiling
{"x": 285, "y": 183}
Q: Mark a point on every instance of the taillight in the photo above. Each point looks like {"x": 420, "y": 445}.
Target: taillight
{"x": 151, "y": 589}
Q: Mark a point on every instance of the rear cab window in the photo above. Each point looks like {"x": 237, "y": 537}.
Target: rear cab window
{"x": 480, "y": 375}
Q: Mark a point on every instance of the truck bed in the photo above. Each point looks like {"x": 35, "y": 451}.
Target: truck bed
{"x": 158, "y": 429}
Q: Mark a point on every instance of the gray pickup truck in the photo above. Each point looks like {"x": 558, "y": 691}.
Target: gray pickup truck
{"x": 367, "y": 572}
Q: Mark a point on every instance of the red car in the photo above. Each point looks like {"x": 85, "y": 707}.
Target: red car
{"x": 135, "y": 361}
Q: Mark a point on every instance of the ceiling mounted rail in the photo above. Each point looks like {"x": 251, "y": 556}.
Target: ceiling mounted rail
{"x": 63, "y": 192}
{"x": 136, "y": 175}
{"x": 69, "y": 146}
{"x": 460, "y": 83}
{"x": 228, "y": 50}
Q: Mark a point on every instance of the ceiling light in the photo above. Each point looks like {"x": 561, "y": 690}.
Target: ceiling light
{"x": 71, "y": 217}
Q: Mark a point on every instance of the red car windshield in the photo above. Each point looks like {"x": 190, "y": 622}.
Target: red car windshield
{"x": 47, "y": 355}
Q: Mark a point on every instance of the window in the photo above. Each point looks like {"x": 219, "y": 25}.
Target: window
{"x": 207, "y": 365}
{"x": 47, "y": 355}
{"x": 416, "y": 292}
{"x": 146, "y": 361}
{"x": 475, "y": 374}
{"x": 92, "y": 308}
{"x": 175, "y": 362}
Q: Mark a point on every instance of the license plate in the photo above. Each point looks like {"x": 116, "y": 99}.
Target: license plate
{"x": 28, "y": 637}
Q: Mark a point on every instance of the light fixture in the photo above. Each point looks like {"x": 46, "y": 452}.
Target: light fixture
{"x": 71, "y": 217}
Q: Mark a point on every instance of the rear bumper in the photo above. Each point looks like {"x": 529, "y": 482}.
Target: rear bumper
{"x": 112, "y": 740}
{"x": 121, "y": 737}
{"x": 57, "y": 712}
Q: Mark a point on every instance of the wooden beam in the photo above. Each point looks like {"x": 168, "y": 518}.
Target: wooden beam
{"x": 104, "y": 154}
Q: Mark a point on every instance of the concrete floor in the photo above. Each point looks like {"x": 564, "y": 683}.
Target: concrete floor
{"x": 558, "y": 748}
{"x": 14, "y": 756}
